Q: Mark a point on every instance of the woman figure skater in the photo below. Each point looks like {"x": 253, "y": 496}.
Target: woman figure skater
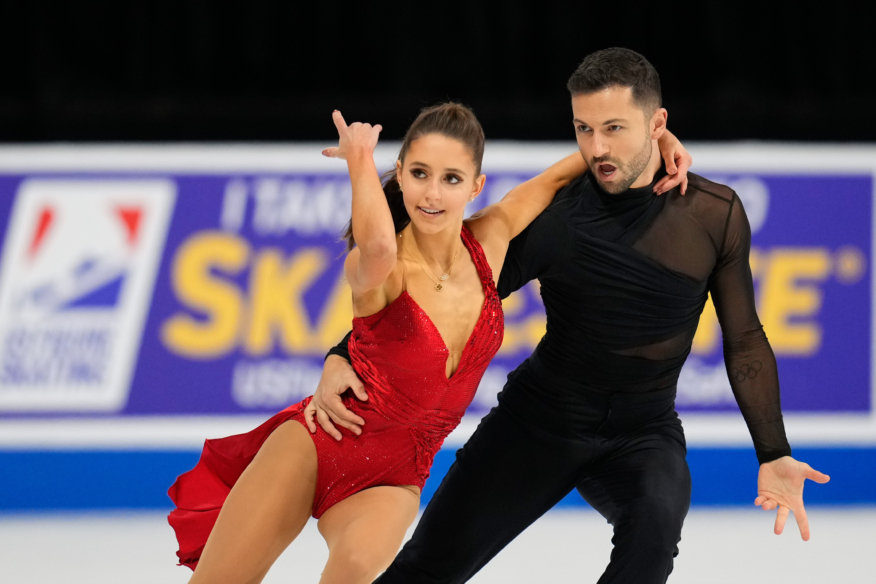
{"x": 428, "y": 320}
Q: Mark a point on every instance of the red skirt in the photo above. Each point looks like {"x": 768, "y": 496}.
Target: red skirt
{"x": 386, "y": 453}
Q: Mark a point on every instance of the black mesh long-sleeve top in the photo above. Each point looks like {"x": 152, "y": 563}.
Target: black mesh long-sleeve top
{"x": 624, "y": 279}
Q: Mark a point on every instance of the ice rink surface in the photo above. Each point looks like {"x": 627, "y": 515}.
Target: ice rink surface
{"x": 719, "y": 546}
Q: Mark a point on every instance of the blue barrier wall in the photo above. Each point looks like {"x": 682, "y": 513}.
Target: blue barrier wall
{"x": 89, "y": 480}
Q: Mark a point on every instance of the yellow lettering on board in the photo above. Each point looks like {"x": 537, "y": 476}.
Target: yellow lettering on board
{"x": 196, "y": 287}
{"x": 785, "y": 297}
{"x": 512, "y": 305}
{"x": 336, "y": 318}
{"x": 276, "y": 300}
{"x": 756, "y": 261}
{"x": 525, "y": 333}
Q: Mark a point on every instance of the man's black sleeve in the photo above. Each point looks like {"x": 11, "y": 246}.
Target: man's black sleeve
{"x": 341, "y": 349}
{"x": 750, "y": 362}
{"x": 534, "y": 252}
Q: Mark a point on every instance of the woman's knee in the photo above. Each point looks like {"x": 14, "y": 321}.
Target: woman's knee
{"x": 362, "y": 560}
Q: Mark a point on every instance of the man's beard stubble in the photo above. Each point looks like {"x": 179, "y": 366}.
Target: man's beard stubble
{"x": 630, "y": 171}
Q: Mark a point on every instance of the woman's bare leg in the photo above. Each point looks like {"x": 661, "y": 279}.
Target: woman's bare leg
{"x": 365, "y": 531}
{"x": 267, "y": 509}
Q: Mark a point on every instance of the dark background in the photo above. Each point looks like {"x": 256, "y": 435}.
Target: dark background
{"x": 147, "y": 70}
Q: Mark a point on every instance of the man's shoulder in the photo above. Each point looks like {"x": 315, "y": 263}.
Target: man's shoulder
{"x": 552, "y": 223}
{"x": 705, "y": 200}
{"x": 699, "y": 186}
{"x": 708, "y": 204}
{"x": 570, "y": 193}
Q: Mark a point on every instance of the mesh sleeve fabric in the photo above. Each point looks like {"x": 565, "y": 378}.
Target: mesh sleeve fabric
{"x": 751, "y": 364}
{"x": 341, "y": 349}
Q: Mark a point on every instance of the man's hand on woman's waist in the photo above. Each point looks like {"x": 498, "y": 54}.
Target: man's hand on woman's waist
{"x": 337, "y": 377}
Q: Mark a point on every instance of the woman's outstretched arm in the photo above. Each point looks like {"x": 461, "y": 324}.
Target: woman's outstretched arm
{"x": 504, "y": 220}
{"x": 372, "y": 261}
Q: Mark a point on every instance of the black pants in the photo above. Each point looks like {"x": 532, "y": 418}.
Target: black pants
{"x": 624, "y": 454}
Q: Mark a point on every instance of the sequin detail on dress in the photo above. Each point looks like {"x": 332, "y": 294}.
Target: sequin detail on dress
{"x": 412, "y": 406}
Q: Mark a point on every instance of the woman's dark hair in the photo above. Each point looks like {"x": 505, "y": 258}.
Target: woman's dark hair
{"x": 617, "y": 67}
{"x": 451, "y": 119}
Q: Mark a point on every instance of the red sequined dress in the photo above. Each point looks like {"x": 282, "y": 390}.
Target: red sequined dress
{"x": 412, "y": 406}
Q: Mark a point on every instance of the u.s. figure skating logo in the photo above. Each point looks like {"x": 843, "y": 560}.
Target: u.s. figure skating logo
{"x": 79, "y": 266}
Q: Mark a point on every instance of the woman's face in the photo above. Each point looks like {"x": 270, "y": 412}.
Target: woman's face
{"x": 438, "y": 179}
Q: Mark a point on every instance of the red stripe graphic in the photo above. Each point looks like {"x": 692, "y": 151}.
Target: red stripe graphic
{"x": 47, "y": 215}
{"x": 131, "y": 216}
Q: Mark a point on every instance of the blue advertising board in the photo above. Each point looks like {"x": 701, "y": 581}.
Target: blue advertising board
{"x": 216, "y": 294}
{"x": 149, "y": 305}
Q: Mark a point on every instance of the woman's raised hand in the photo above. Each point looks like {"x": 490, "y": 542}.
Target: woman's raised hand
{"x": 357, "y": 137}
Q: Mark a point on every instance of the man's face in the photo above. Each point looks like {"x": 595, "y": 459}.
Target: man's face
{"x": 615, "y": 137}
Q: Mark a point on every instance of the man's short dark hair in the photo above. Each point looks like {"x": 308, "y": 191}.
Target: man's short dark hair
{"x": 618, "y": 67}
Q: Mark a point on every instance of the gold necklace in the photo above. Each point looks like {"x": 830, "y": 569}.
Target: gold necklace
{"x": 438, "y": 286}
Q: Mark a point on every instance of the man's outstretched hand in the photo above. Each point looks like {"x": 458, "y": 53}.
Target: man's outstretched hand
{"x": 780, "y": 485}
{"x": 337, "y": 377}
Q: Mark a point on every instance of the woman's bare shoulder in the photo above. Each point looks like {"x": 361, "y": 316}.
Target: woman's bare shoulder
{"x": 368, "y": 302}
{"x": 489, "y": 234}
